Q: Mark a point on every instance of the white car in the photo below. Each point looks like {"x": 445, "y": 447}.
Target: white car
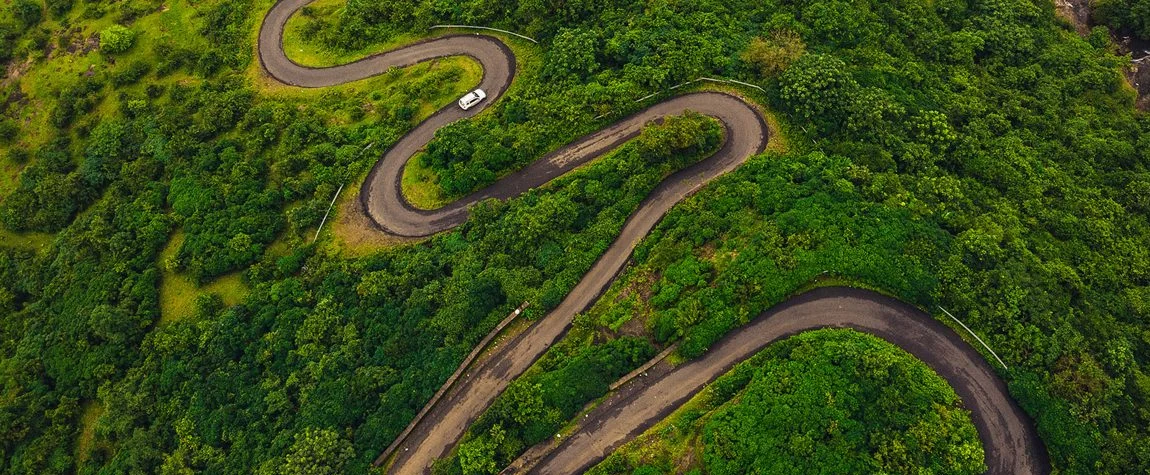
{"x": 470, "y": 99}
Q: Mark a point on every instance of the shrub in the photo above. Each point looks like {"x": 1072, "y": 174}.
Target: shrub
{"x": 8, "y": 131}
{"x": 130, "y": 74}
{"x": 116, "y": 39}
{"x": 28, "y": 12}
{"x": 772, "y": 56}
{"x": 18, "y": 156}
{"x": 59, "y": 8}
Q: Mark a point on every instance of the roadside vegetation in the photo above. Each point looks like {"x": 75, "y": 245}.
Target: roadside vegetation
{"x": 825, "y": 401}
{"x": 970, "y": 154}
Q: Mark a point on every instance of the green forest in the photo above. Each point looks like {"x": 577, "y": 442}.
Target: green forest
{"x": 977, "y": 155}
{"x": 825, "y": 401}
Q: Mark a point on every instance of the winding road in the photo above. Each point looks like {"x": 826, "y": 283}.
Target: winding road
{"x": 1006, "y": 432}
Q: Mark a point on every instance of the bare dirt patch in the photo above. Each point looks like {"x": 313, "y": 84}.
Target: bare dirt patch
{"x": 14, "y": 71}
{"x": 635, "y": 327}
{"x": 354, "y": 232}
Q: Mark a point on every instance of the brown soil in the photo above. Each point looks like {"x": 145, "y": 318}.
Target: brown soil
{"x": 1139, "y": 73}
{"x": 354, "y": 231}
{"x": 14, "y": 71}
{"x": 635, "y": 327}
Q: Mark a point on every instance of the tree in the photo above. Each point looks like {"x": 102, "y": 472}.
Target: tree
{"x": 59, "y": 8}
{"x": 572, "y": 54}
{"x": 317, "y": 452}
{"x": 477, "y": 456}
{"x": 826, "y": 401}
{"x": 773, "y": 55}
{"x": 818, "y": 87}
{"x": 8, "y": 131}
{"x": 1128, "y": 15}
{"x": 29, "y": 12}
{"x": 116, "y": 39}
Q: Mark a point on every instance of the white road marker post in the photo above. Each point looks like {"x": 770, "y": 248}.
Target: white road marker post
{"x": 984, "y": 345}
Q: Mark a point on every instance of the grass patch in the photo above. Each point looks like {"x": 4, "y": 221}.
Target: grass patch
{"x": 421, "y": 186}
{"x": 27, "y": 241}
{"x": 353, "y": 232}
{"x": 178, "y": 293}
{"x": 89, "y": 414}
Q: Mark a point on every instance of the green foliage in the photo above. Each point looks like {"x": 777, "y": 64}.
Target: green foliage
{"x": 478, "y": 455}
{"x": 316, "y": 452}
{"x": 116, "y": 39}
{"x": 29, "y": 12}
{"x": 772, "y": 56}
{"x": 8, "y": 131}
{"x": 131, "y": 73}
{"x": 59, "y": 8}
{"x": 533, "y": 408}
{"x": 818, "y": 88}
{"x": 1124, "y": 15}
{"x": 843, "y": 403}
{"x": 972, "y": 155}
{"x": 572, "y": 55}
{"x": 823, "y": 401}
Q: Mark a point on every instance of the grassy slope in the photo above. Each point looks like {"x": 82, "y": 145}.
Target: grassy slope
{"x": 26, "y": 241}
{"x": 90, "y": 414}
{"x": 421, "y": 186}
{"x": 178, "y": 292}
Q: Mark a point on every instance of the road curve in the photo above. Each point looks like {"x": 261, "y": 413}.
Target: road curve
{"x": 746, "y": 135}
{"x": 1007, "y": 435}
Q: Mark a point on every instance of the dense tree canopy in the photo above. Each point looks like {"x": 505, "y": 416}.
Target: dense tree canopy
{"x": 1125, "y": 15}
{"x": 842, "y": 403}
{"x": 972, "y": 154}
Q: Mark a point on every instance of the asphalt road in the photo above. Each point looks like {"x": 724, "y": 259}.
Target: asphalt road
{"x": 1007, "y": 434}
{"x": 1005, "y": 431}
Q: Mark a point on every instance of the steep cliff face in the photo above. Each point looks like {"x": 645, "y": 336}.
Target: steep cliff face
{"x": 1077, "y": 11}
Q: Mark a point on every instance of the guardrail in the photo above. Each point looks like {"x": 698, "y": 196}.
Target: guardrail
{"x": 447, "y": 385}
{"x": 708, "y": 79}
{"x": 329, "y": 206}
{"x": 976, "y": 337}
{"x": 527, "y": 460}
{"x": 672, "y": 88}
{"x": 528, "y": 38}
